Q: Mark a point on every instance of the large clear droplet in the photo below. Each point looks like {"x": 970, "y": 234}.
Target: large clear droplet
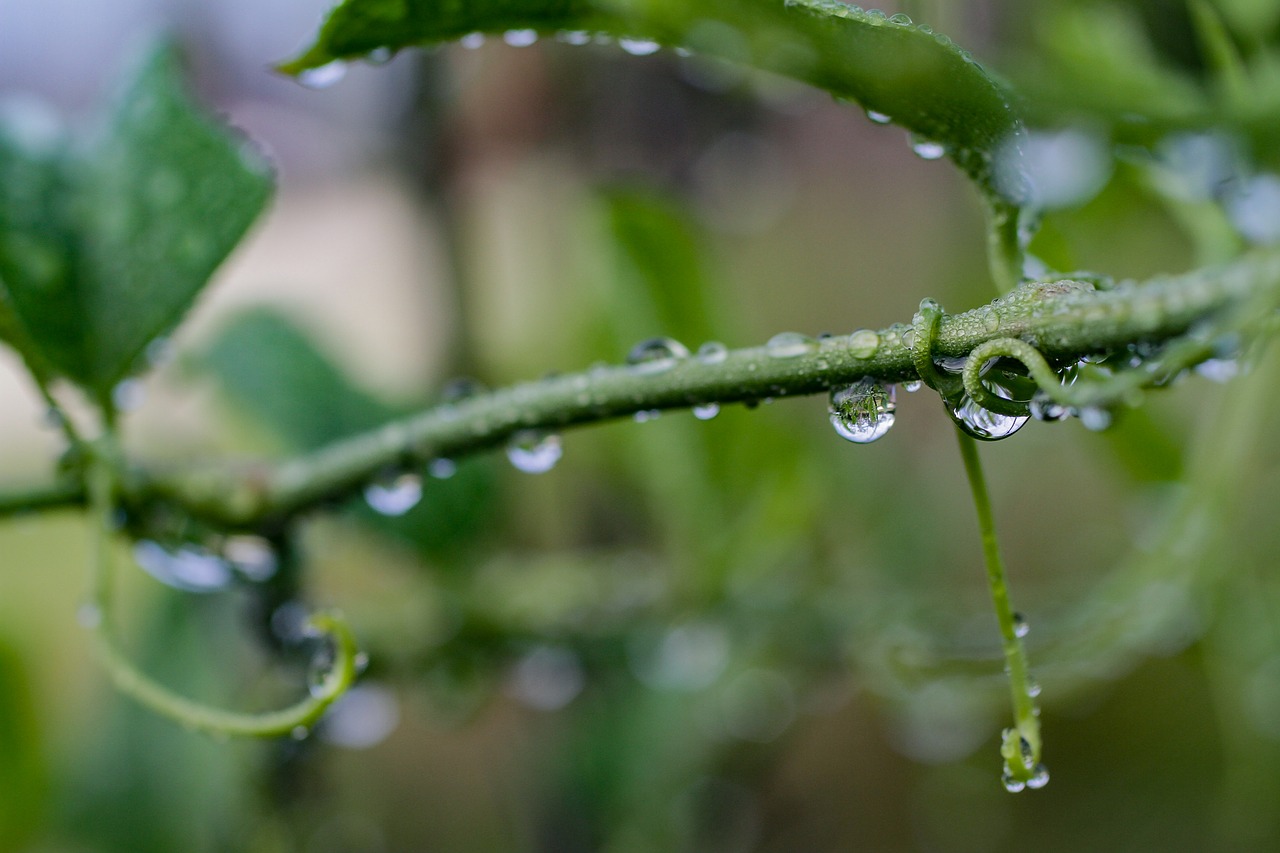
{"x": 1039, "y": 778}
{"x": 655, "y": 355}
{"x": 712, "y": 352}
{"x": 1021, "y": 628}
{"x": 534, "y": 452}
{"x": 1012, "y": 784}
{"x": 864, "y": 343}
{"x": 983, "y": 423}
{"x": 864, "y": 411}
{"x": 394, "y": 495}
{"x": 706, "y": 411}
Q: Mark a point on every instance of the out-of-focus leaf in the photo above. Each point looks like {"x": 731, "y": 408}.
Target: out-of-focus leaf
{"x": 907, "y": 73}
{"x": 22, "y": 768}
{"x": 278, "y": 377}
{"x": 104, "y": 248}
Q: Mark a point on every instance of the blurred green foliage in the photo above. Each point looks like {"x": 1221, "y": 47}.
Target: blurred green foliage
{"x": 741, "y": 634}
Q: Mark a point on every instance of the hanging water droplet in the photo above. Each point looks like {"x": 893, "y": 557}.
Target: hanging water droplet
{"x": 864, "y": 343}
{"x": 927, "y": 149}
{"x": 520, "y": 38}
{"x": 706, "y": 411}
{"x": 320, "y": 668}
{"x": 712, "y": 352}
{"x": 324, "y": 76}
{"x": 534, "y": 452}
{"x": 1012, "y": 784}
{"x": 128, "y": 395}
{"x": 645, "y": 415}
{"x": 1033, "y": 687}
{"x": 574, "y": 37}
{"x": 442, "y": 468}
{"x": 472, "y": 41}
{"x": 252, "y": 556}
{"x": 983, "y": 423}
{"x": 1020, "y": 626}
{"x": 788, "y": 345}
{"x": 394, "y": 495}
{"x": 188, "y": 567}
{"x": 300, "y": 733}
{"x": 1043, "y": 408}
{"x": 655, "y": 355}
{"x": 864, "y": 411}
{"x": 639, "y": 47}
{"x": 1039, "y": 778}
{"x": 912, "y": 386}
{"x": 879, "y": 118}
{"x": 1094, "y": 418}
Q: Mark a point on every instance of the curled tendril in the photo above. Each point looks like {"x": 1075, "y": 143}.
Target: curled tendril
{"x": 925, "y": 326}
{"x": 128, "y": 679}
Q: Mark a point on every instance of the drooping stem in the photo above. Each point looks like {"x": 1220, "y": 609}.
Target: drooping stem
{"x": 131, "y": 681}
{"x": 1021, "y": 747}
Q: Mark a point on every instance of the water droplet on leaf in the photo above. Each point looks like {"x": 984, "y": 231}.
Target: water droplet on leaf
{"x": 864, "y": 343}
{"x": 324, "y": 76}
{"x": 788, "y": 345}
{"x": 712, "y": 352}
{"x": 927, "y": 149}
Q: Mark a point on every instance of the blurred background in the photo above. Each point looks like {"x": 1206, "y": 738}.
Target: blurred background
{"x": 743, "y": 634}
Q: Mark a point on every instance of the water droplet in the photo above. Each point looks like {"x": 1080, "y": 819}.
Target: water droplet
{"x": 927, "y": 149}
{"x": 639, "y": 47}
{"x": 472, "y": 41}
{"x": 863, "y": 343}
{"x": 1219, "y": 369}
{"x": 250, "y": 555}
{"x": 1039, "y": 778}
{"x": 324, "y": 76}
{"x": 912, "y": 386}
{"x": 879, "y": 118}
{"x": 1033, "y": 687}
{"x": 547, "y": 678}
{"x": 442, "y": 468}
{"x": 1020, "y": 626}
{"x": 656, "y": 355}
{"x": 361, "y": 661}
{"x": 788, "y": 345}
{"x": 706, "y": 411}
{"x": 320, "y": 669}
{"x": 645, "y": 415}
{"x": 1011, "y": 783}
{"x": 520, "y": 38}
{"x": 394, "y": 495}
{"x": 363, "y": 717}
{"x": 380, "y": 56}
{"x": 300, "y": 733}
{"x": 982, "y": 423}
{"x": 1061, "y": 168}
{"x": 128, "y": 395}
{"x": 1043, "y": 408}
{"x": 574, "y": 37}
{"x": 864, "y": 411}
{"x": 712, "y": 352}
{"x": 534, "y": 452}
{"x": 188, "y": 567}
{"x": 1095, "y": 418}
{"x": 900, "y": 18}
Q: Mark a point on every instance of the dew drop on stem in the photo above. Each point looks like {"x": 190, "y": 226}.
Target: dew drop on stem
{"x": 639, "y": 47}
{"x": 864, "y": 411}
{"x": 927, "y": 149}
{"x": 655, "y": 355}
{"x": 706, "y": 411}
{"x": 864, "y": 343}
{"x": 394, "y": 495}
{"x": 442, "y": 468}
{"x": 788, "y": 345}
{"x": 534, "y": 452}
{"x": 712, "y": 352}
{"x": 1020, "y": 626}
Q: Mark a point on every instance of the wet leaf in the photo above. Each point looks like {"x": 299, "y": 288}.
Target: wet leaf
{"x": 105, "y": 247}
{"x": 907, "y": 73}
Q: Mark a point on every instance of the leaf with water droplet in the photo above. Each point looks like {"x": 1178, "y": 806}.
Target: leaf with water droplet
{"x": 125, "y": 234}
{"x": 864, "y": 411}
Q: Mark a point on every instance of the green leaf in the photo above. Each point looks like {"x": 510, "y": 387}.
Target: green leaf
{"x": 104, "y": 248}
{"x": 276, "y": 375}
{"x": 916, "y": 77}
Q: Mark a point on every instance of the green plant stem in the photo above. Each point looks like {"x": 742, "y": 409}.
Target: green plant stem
{"x": 128, "y": 679}
{"x": 1026, "y": 723}
{"x": 1063, "y": 320}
